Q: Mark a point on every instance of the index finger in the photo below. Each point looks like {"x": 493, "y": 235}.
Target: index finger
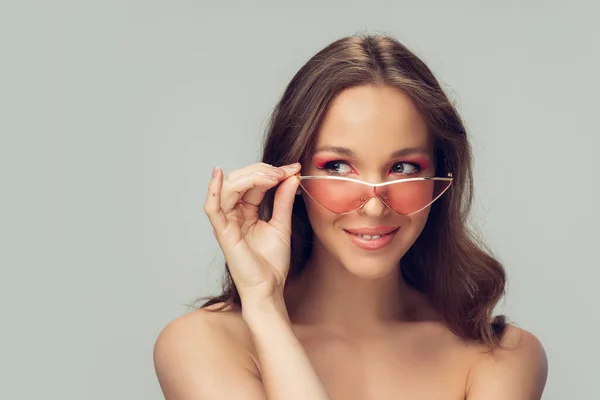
{"x": 212, "y": 205}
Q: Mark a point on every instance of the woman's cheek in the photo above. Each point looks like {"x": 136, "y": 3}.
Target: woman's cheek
{"x": 418, "y": 221}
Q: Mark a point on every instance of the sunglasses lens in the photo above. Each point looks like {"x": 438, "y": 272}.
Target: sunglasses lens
{"x": 412, "y": 196}
{"x": 341, "y": 196}
{"x": 338, "y": 196}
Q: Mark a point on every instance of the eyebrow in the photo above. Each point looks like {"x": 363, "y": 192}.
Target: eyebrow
{"x": 344, "y": 151}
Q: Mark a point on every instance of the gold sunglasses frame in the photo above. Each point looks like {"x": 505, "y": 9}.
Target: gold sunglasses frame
{"x": 449, "y": 178}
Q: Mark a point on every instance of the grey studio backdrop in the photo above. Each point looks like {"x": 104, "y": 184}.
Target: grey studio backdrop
{"x": 142, "y": 98}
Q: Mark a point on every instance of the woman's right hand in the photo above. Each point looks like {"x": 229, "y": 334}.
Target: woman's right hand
{"x": 257, "y": 252}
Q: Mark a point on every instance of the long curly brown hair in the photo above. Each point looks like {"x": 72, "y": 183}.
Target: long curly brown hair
{"x": 447, "y": 262}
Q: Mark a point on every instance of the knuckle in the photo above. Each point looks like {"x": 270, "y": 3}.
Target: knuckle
{"x": 210, "y": 208}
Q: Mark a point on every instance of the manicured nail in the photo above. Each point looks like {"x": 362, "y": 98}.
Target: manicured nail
{"x": 215, "y": 171}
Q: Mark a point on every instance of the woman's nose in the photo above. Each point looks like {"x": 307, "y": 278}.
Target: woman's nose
{"x": 374, "y": 207}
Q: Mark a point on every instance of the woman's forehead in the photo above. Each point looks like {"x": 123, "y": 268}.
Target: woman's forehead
{"x": 373, "y": 120}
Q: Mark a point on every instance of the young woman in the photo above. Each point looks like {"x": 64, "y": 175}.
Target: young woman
{"x": 351, "y": 271}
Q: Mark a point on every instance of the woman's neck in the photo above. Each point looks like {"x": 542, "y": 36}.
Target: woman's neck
{"x": 328, "y": 294}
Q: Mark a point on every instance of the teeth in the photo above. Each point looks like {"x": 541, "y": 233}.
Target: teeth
{"x": 369, "y": 237}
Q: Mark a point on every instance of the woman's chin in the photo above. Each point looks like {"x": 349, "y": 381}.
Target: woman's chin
{"x": 371, "y": 267}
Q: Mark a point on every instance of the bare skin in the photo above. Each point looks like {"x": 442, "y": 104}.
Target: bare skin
{"x": 349, "y": 327}
{"x": 410, "y": 360}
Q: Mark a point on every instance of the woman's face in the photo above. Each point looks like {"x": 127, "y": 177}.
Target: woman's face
{"x": 362, "y": 130}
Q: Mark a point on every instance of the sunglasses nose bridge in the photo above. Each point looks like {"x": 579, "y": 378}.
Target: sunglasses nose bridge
{"x": 368, "y": 192}
{"x": 381, "y": 192}
{"x": 378, "y": 192}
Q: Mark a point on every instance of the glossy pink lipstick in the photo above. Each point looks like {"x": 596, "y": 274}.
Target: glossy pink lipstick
{"x": 371, "y": 238}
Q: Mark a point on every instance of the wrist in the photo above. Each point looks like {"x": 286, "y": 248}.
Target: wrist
{"x": 265, "y": 310}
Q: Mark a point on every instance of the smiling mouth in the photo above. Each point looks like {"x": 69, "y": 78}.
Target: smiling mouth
{"x": 371, "y": 237}
{"x": 372, "y": 241}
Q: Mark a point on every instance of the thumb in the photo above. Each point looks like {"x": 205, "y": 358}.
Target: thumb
{"x": 283, "y": 203}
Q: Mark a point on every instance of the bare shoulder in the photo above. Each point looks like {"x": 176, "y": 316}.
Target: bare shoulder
{"x": 212, "y": 325}
{"x": 516, "y": 370}
{"x": 194, "y": 352}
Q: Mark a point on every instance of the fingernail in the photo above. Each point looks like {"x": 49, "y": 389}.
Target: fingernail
{"x": 215, "y": 171}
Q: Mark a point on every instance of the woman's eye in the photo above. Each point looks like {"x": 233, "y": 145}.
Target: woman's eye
{"x": 405, "y": 168}
{"x": 337, "y": 167}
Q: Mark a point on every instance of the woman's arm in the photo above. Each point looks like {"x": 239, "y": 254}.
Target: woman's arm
{"x": 201, "y": 356}
{"x": 286, "y": 371}
{"x": 199, "y": 363}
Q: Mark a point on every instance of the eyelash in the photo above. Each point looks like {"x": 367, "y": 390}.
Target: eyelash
{"x": 327, "y": 167}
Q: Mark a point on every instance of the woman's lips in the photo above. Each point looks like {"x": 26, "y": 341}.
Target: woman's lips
{"x": 371, "y": 244}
